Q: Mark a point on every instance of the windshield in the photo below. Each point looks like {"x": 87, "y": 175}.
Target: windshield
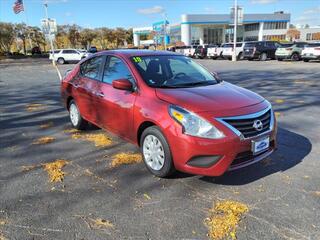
{"x": 172, "y": 72}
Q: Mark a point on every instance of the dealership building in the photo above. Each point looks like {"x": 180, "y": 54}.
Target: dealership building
{"x": 217, "y": 28}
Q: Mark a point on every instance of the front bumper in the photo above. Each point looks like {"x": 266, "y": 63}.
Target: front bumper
{"x": 234, "y": 152}
{"x": 310, "y": 57}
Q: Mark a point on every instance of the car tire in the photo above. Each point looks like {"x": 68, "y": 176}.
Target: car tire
{"x": 306, "y": 60}
{"x": 263, "y": 57}
{"x": 76, "y": 119}
{"x": 279, "y": 59}
{"x": 240, "y": 56}
{"x": 153, "y": 145}
{"x": 61, "y": 60}
{"x": 295, "y": 57}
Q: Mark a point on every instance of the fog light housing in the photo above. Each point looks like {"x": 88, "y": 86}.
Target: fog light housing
{"x": 204, "y": 161}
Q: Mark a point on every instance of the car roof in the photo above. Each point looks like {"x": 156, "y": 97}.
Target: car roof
{"x": 137, "y": 52}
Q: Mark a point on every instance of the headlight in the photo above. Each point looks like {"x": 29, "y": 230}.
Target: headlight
{"x": 193, "y": 124}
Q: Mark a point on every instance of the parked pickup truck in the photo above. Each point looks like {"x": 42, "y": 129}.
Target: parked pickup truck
{"x": 261, "y": 50}
{"x": 228, "y": 50}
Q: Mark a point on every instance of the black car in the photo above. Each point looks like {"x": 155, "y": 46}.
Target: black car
{"x": 261, "y": 50}
{"x": 92, "y": 49}
{"x": 202, "y": 50}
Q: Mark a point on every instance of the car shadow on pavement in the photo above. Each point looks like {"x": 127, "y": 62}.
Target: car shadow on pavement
{"x": 292, "y": 149}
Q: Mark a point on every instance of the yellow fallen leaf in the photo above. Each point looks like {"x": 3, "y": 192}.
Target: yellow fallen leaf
{"x": 316, "y": 193}
{"x": 279, "y": 101}
{"x": 3, "y": 222}
{"x": 72, "y": 130}
{"x": 99, "y": 139}
{"x": 43, "y": 140}
{"x": 34, "y": 107}
{"x": 224, "y": 219}
{"x": 126, "y": 158}
{"x": 277, "y": 114}
{"x": 101, "y": 223}
{"x": 46, "y": 125}
{"x": 147, "y": 196}
{"x": 54, "y": 170}
{"x": 28, "y": 168}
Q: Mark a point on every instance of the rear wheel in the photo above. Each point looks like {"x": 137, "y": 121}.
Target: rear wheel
{"x": 306, "y": 60}
{"x": 263, "y": 57}
{"x": 295, "y": 57}
{"x": 75, "y": 117}
{"x": 240, "y": 56}
{"x": 61, "y": 60}
{"x": 279, "y": 59}
{"x": 156, "y": 152}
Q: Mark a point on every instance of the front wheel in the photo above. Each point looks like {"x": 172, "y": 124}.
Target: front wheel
{"x": 75, "y": 117}
{"x": 156, "y": 152}
{"x": 263, "y": 57}
{"x": 306, "y": 60}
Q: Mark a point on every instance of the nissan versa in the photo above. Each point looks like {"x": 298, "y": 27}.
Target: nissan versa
{"x": 182, "y": 116}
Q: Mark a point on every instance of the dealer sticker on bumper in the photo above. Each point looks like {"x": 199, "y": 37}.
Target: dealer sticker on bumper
{"x": 260, "y": 145}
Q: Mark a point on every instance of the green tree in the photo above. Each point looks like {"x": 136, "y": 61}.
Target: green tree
{"x": 87, "y": 36}
{"x": 22, "y": 32}
{"x": 74, "y": 35}
{"x": 37, "y": 37}
{"x": 7, "y": 35}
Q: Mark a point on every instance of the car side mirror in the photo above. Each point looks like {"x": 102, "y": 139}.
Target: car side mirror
{"x": 216, "y": 76}
{"x": 122, "y": 84}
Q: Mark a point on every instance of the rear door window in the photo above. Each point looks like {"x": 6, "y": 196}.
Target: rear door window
{"x": 91, "y": 67}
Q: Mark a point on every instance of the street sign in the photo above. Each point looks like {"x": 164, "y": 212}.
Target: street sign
{"x": 240, "y": 16}
{"x": 49, "y": 26}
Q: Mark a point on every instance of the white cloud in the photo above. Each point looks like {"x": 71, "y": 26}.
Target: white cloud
{"x": 263, "y": 1}
{"x": 68, "y": 14}
{"x": 152, "y": 10}
{"x": 209, "y": 10}
{"x": 309, "y": 16}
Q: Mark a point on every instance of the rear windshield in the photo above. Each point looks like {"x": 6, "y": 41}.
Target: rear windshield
{"x": 313, "y": 45}
{"x": 252, "y": 44}
{"x": 287, "y": 45}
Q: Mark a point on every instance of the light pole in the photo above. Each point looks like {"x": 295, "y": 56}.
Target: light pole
{"x": 50, "y": 39}
{"x": 234, "y": 55}
{"x": 165, "y": 31}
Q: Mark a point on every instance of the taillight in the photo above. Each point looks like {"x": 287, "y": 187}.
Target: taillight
{"x": 316, "y": 48}
{"x": 289, "y": 49}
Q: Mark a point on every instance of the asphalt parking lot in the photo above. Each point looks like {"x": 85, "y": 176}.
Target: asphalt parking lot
{"x": 282, "y": 192}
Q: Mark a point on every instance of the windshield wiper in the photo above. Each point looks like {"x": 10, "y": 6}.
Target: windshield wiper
{"x": 192, "y": 84}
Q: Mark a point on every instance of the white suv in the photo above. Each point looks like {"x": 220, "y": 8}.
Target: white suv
{"x": 311, "y": 52}
{"x": 228, "y": 50}
{"x": 66, "y": 55}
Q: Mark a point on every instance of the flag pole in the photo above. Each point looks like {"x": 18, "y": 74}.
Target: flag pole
{"x": 27, "y": 22}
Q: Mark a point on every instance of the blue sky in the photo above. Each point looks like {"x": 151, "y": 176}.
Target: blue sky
{"x": 137, "y": 13}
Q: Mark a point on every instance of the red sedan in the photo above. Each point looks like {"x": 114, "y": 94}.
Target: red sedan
{"x": 182, "y": 116}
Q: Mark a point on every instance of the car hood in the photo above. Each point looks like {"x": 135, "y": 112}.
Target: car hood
{"x": 214, "y": 98}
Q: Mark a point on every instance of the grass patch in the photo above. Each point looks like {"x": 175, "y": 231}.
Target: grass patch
{"x": 101, "y": 223}
{"x": 125, "y": 159}
{"x": 224, "y": 219}
{"x": 99, "y": 139}
{"x": 43, "y": 140}
{"x": 54, "y": 170}
{"x": 279, "y": 101}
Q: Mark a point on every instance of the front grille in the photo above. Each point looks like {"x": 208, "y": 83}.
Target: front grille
{"x": 245, "y": 125}
{"x": 248, "y": 156}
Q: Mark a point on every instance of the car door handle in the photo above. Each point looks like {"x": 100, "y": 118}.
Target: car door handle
{"x": 100, "y": 94}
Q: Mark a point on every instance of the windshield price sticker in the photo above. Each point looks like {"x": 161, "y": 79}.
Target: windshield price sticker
{"x": 137, "y": 59}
